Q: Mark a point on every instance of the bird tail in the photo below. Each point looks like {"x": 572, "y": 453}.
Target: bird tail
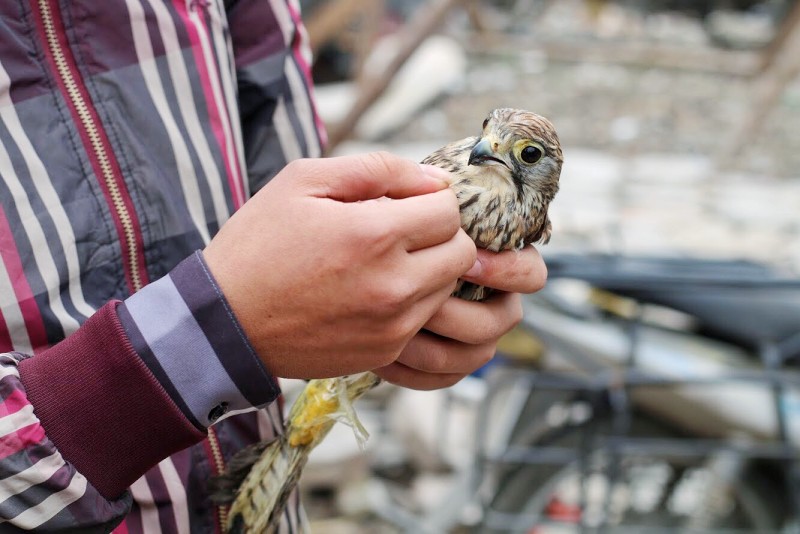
{"x": 260, "y": 478}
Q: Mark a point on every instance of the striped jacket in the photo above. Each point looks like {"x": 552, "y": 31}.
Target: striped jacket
{"x": 130, "y": 130}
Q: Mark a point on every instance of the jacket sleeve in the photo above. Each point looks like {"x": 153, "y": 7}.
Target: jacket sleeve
{"x": 141, "y": 379}
{"x": 273, "y": 67}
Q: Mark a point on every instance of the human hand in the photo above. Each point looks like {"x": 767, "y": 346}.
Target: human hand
{"x": 328, "y": 276}
{"x": 462, "y": 336}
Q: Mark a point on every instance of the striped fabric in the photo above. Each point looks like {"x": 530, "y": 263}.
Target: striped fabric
{"x": 184, "y": 318}
{"x": 130, "y": 131}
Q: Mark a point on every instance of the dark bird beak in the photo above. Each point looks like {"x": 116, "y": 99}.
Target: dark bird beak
{"x": 482, "y": 153}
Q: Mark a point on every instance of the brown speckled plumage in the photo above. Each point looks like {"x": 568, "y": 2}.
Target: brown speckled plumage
{"x": 504, "y": 199}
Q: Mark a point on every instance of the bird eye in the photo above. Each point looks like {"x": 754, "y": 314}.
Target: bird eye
{"x": 485, "y": 122}
{"x": 531, "y": 154}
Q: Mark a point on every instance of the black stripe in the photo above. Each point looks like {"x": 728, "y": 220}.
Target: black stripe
{"x": 506, "y": 238}
{"x": 474, "y": 198}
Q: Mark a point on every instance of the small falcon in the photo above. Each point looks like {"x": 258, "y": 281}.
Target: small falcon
{"x": 505, "y": 180}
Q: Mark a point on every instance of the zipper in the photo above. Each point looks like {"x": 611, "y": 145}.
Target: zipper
{"x": 99, "y": 148}
{"x": 219, "y": 467}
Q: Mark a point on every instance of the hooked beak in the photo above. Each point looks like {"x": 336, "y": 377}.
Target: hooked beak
{"x": 482, "y": 154}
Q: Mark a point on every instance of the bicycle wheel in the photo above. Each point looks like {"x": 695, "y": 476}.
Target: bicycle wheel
{"x": 575, "y": 480}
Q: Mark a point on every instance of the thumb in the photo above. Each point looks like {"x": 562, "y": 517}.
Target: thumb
{"x": 376, "y": 175}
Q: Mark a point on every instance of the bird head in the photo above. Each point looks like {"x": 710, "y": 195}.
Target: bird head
{"x": 521, "y": 148}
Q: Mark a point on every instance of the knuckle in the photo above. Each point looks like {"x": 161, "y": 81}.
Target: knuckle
{"x": 374, "y": 231}
{"x": 499, "y": 322}
{"x": 390, "y": 299}
{"x": 399, "y": 331}
{"x": 469, "y": 252}
{"x": 399, "y": 293}
{"x": 479, "y": 334}
{"x": 380, "y": 163}
{"x": 387, "y": 357}
{"x": 297, "y": 167}
{"x": 511, "y": 316}
{"x": 450, "y": 203}
{"x": 539, "y": 277}
{"x": 536, "y": 273}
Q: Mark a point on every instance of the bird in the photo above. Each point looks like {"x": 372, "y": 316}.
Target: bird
{"x": 504, "y": 180}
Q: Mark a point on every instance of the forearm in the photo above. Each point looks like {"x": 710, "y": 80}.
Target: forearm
{"x": 141, "y": 379}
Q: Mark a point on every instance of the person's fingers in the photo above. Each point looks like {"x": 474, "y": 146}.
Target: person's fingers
{"x": 370, "y": 176}
{"x": 477, "y": 323}
{"x": 522, "y": 271}
{"x": 431, "y": 353}
{"x": 404, "y": 376}
{"x": 421, "y": 221}
{"x": 441, "y": 265}
{"x": 432, "y": 362}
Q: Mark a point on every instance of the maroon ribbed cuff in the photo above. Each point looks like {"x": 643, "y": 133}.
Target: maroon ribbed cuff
{"x": 101, "y": 406}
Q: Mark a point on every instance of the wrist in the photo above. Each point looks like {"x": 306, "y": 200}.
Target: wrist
{"x": 184, "y": 330}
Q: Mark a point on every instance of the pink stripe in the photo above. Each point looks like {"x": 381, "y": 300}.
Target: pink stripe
{"x": 121, "y": 529}
{"x": 214, "y": 113}
{"x": 5, "y": 336}
{"x": 305, "y": 67}
{"x": 22, "y": 290}
{"x": 23, "y": 438}
{"x": 13, "y": 402}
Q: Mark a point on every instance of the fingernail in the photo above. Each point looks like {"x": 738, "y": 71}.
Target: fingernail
{"x": 475, "y": 270}
{"x": 437, "y": 173}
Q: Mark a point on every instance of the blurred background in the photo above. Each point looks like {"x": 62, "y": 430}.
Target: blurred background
{"x": 652, "y": 387}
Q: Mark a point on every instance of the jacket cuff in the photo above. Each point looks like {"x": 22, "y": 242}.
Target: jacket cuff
{"x": 183, "y": 329}
{"x": 101, "y": 406}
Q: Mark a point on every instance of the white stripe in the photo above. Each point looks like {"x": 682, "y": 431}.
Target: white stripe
{"x": 183, "y": 87}
{"x": 224, "y": 50}
{"x": 9, "y": 308}
{"x": 301, "y": 29}
{"x": 33, "y": 229}
{"x": 302, "y": 107}
{"x": 300, "y": 99}
{"x": 302, "y": 93}
{"x": 211, "y": 68}
{"x": 286, "y": 135}
{"x": 19, "y": 419}
{"x": 50, "y": 198}
{"x": 38, "y": 241}
{"x": 35, "y": 516}
{"x": 177, "y": 494}
{"x": 35, "y": 474}
{"x": 141, "y": 493}
{"x": 284, "y": 18}
{"x": 8, "y": 370}
{"x": 144, "y": 53}
{"x": 231, "y": 413}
